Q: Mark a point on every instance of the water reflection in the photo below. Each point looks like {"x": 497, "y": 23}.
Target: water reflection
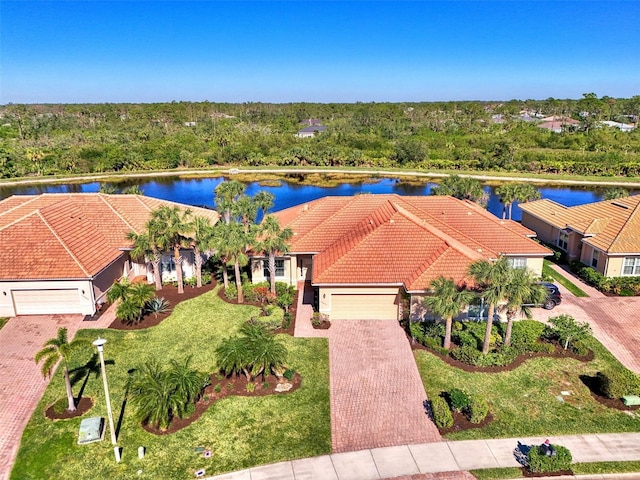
{"x": 199, "y": 191}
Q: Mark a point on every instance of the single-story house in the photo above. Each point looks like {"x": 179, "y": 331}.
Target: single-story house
{"x": 604, "y": 235}
{"x": 558, "y": 124}
{"x": 62, "y": 252}
{"x": 310, "y": 131}
{"x": 366, "y": 256}
{"x": 623, "y": 127}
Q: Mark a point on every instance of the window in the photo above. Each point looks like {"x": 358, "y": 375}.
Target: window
{"x": 168, "y": 265}
{"x": 563, "y": 241}
{"x": 279, "y": 267}
{"x": 594, "y": 259}
{"x": 517, "y": 262}
{"x": 631, "y": 266}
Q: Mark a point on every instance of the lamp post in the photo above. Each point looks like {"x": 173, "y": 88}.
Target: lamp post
{"x": 99, "y": 344}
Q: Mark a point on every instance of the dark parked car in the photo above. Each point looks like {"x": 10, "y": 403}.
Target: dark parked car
{"x": 553, "y": 296}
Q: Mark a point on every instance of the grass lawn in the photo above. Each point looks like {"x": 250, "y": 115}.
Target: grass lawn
{"x": 241, "y": 431}
{"x": 548, "y": 271}
{"x": 523, "y": 401}
{"x": 3, "y": 321}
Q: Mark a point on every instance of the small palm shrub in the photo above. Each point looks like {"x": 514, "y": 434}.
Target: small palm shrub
{"x": 442, "y": 416}
{"x": 477, "y": 409}
{"x": 157, "y": 306}
{"x": 539, "y": 461}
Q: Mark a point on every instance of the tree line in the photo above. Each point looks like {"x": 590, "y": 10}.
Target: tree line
{"x": 40, "y": 140}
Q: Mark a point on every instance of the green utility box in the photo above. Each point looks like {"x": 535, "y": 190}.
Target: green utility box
{"x": 91, "y": 430}
{"x": 630, "y": 400}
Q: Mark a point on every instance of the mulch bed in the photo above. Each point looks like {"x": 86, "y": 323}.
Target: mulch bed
{"x": 323, "y": 325}
{"x": 169, "y": 293}
{"x": 559, "y": 352}
{"x": 460, "y": 422}
{"x": 83, "y": 406}
{"x": 228, "y": 387}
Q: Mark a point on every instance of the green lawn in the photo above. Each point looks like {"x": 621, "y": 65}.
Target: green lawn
{"x": 241, "y": 431}
{"x": 3, "y": 321}
{"x": 523, "y": 401}
{"x": 550, "y": 272}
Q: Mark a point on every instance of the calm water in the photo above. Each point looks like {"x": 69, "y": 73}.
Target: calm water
{"x": 200, "y": 191}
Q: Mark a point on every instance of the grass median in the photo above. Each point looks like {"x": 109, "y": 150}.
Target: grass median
{"x": 240, "y": 431}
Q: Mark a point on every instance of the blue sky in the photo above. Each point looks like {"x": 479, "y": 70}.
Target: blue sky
{"x": 241, "y": 51}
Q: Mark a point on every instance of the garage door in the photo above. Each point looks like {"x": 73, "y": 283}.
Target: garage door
{"x": 35, "y": 302}
{"x": 364, "y": 307}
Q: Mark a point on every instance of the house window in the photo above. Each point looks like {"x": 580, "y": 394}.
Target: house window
{"x": 279, "y": 267}
{"x": 563, "y": 241}
{"x": 517, "y": 262}
{"x": 168, "y": 265}
{"x": 631, "y": 266}
{"x": 594, "y": 258}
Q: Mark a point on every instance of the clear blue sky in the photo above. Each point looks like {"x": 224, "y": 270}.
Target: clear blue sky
{"x": 122, "y": 51}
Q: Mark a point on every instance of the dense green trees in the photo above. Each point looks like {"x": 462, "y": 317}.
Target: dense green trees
{"x": 38, "y": 140}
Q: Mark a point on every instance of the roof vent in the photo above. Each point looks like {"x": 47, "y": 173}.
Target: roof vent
{"x": 306, "y": 207}
{"x": 391, "y": 221}
{"x": 626, "y": 207}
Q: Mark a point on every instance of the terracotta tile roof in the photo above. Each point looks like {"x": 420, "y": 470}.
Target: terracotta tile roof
{"x": 612, "y": 226}
{"x": 392, "y": 239}
{"x": 72, "y": 235}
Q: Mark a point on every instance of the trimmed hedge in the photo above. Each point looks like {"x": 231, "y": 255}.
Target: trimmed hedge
{"x": 442, "y": 416}
{"x": 540, "y": 462}
{"x": 618, "y": 383}
{"x": 458, "y": 399}
{"x": 626, "y": 286}
{"x": 477, "y": 409}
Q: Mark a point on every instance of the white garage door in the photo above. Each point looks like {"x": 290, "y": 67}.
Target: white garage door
{"x": 36, "y": 302}
{"x": 364, "y": 307}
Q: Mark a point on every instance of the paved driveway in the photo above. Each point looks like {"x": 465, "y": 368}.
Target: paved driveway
{"x": 614, "y": 320}
{"x": 376, "y": 392}
{"x": 21, "y": 383}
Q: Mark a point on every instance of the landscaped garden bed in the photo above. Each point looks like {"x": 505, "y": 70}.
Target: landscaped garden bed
{"x": 239, "y": 431}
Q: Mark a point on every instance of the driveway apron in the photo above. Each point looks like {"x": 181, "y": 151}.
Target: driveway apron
{"x": 21, "y": 381}
{"x": 377, "y": 396}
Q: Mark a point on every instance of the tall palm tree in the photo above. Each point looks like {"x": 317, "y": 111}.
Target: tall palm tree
{"x": 144, "y": 247}
{"x": 525, "y": 192}
{"x": 507, "y": 194}
{"x": 60, "y": 349}
{"x": 491, "y": 277}
{"x": 521, "y": 290}
{"x": 222, "y": 232}
{"x": 515, "y": 192}
{"x": 264, "y": 201}
{"x": 463, "y": 188}
{"x": 170, "y": 226}
{"x": 202, "y": 241}
{"x": 447, "y": 301}
{"x": 273, "y": 240}
{"x": 226, "y": 195}
{"x": 231, "y": 242}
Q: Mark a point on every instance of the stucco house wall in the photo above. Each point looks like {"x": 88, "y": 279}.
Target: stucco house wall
{"x": 291, "y": 270}
{"x": 545, "y": 232}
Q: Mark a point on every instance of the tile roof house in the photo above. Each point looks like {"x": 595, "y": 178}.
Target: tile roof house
{"x": 62, "y": 252}
{"x": 604, "y": 235}
{"x": 310, "y": 131}
{"x": 364, "y": 254}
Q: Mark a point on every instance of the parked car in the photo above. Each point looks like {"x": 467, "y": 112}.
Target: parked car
{"x": 554, "y": 297}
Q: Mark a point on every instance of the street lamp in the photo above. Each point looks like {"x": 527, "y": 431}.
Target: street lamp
{"x": 99, "y": 344}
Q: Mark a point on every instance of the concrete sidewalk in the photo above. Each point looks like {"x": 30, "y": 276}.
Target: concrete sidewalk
{"x": 430, "y": 458}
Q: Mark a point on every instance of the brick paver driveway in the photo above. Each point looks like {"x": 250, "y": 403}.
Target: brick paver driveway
{"x": 614, "y": 320}
{"x": 376, "y": 392}
{"x": 21, "y": 383}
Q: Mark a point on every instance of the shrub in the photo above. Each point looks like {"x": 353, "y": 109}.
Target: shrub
{"x": 217, "y": 388}
{"x": 288, "y": 374}
{"x": 250, "y": 387}
{"x": 539, "y": 461}
{"x": 526, "y": 333}
{"x": 284, "y": 295}
{"x": 465, "y": 338}
{"x": 286, "y": 320}
{"x": 566, "y": 329}
{"x": 618, "y": 383}
{"x": 316, "y": 319}
{"x": 157, "y": 305}
{"x": 435, "y": 345}
{"x": 442, "y": 416}
{"x": 458, "y": 399}
{"x": 467, "y": 354}
{"x": 477, "y": 409}
{"x": 579, "y": 348}
{"x": 231, "y": 292}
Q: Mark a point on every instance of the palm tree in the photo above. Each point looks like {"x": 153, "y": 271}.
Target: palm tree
{"x": 233, "y": 357}
{"x": 615, "y": 192}
{"x": 133, "y": 298}
{"x": 170, "y": 226}
{"x": 222, "y": 232}
{"x": 202, "y": 240}
{"x": 491, "y": 277}
{"x": 144, "y": 247}
{"x": 226, "y": 195}
{"x": 447, "y": 301}
{"x": 152, "y": 395}
{"x": 521, "y": 290}
{"x": 264, "y": 201}
{"x": 265, "y": 352}
{"x": 231, "y": 242}
{"x": 273, "y": 240}
{"x": 463, "y": 188}
{"x": 507, "y": 194}
{"x": 60, "y": 349}
{"x": 516, "y": 192}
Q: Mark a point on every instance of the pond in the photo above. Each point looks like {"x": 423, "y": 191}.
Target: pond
{"x": 199, "y": 191}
